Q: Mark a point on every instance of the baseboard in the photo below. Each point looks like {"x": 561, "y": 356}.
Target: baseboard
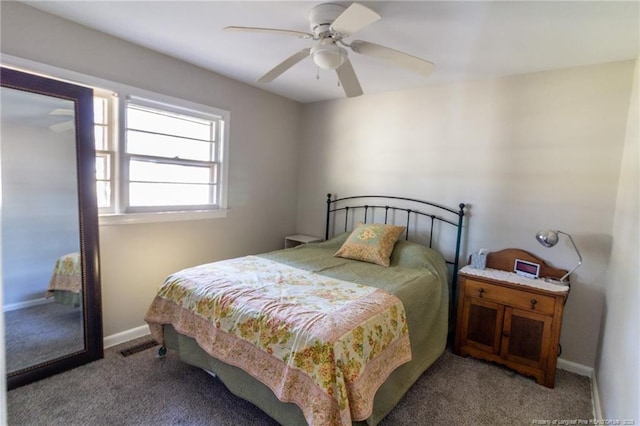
{"x": 125, "y": 336}
{"x": 589, "y": 372}
{"x": 595, "y": 398}
{"x": 574, "y": 367}
{"x": 27, "y": 304}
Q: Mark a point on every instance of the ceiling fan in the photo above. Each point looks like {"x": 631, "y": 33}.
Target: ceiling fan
{"x": 330, "y": 25}
{"x": 64, "y": 125}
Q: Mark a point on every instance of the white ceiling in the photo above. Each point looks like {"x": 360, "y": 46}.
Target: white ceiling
{"x": 465, "y": 40}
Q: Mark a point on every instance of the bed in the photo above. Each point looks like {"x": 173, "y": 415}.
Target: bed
{"x": 310, "y": 334}
{"x": 66, "y": 280}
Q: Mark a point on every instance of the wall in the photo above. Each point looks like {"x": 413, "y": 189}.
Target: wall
{"x": 136, "y": 258}
{"x": 525, "y": 153}
{"x": 618, "y": 366}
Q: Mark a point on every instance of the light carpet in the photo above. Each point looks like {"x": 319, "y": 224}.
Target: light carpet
{"x": 141, "y": 389}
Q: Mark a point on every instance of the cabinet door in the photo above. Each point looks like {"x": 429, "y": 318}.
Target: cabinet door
{"x": 482, "y": 324}
{"x": 526, "y": 337}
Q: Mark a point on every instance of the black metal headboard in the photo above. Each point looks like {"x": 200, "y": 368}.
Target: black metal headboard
{"x": 377, "y": 209}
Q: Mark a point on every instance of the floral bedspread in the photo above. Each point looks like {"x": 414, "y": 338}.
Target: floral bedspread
{"x": 321, "y": 343}
{"x": 66, "y": 275}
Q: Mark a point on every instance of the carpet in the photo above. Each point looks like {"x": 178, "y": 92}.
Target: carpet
{"x": 41, "y": 333}
{"x": 141, "y": 389}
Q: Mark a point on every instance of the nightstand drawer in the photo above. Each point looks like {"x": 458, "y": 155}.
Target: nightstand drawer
{"x": 517, "y": 298}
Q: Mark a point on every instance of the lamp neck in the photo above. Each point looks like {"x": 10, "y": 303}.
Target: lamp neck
{"x": 577, "y": 252}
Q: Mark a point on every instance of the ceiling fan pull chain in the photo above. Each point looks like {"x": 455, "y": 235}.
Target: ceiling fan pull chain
{"x": 317, "y": 73}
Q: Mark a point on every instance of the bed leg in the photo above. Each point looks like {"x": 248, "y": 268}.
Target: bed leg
{"x": 162, "y": 352}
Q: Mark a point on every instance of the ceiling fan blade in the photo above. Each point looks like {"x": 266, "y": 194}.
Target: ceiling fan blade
{"x": 285, "y": 65}
{"x": 294, "y": 33}
{"x": 61, "y": 111}
{"x": 62, "y": 127}
{"x": 349, "y": 80}
{"x": 353, "y": 19}
{"x": 412, "y": 63}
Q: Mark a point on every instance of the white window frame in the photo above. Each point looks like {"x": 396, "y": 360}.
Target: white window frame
{"x": 122, "y": 91}
{"x": 125, "y": 214}
{"x": 125, "y": 157}
{"x": 110, "y": 149}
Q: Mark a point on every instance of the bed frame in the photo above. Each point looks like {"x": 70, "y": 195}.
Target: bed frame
{"x": 376, "y": 208}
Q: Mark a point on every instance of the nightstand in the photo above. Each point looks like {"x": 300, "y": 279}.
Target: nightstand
{"x": 296, "y": 240}
{"x": 510, "y": 319}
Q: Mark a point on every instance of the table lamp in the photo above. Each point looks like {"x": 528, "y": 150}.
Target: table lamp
{"x": 549, "y": 238}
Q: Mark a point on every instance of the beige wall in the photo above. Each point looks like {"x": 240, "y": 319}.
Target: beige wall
{"x": 526, "y": 153}
{"x": 618, "y": 366}
{"x": 136, "y": 258}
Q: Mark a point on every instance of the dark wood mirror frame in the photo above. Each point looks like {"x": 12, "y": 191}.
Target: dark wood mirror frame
{"x": 82, "y": 98}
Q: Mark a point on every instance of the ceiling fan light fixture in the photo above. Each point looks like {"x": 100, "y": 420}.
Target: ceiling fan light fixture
{"x": 328, "y": 56}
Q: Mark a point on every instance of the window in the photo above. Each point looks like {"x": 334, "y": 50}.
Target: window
{"x": 170, "y": 159}
{"x": 103, "y": 116}
{"x": 157, "y": 157}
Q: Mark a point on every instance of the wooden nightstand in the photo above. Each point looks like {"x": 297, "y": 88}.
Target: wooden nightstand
{"x": 296, "y": 240}
{"x": 509, "y": 319}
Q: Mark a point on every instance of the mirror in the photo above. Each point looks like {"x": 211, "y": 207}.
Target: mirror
{"x": 51, "y": 285}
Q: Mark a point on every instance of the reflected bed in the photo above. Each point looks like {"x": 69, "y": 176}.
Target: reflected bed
{"x": 66, "y": 281}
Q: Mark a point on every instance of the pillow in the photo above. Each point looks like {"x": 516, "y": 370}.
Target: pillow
{"x": 371, "y": 243}
{"x": 412, "y": 255}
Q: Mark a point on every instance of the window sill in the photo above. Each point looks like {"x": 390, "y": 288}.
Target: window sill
{"x": 132, "y": 218}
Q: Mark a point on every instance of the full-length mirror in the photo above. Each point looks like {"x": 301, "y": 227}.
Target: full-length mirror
{"x": 50, "y": 257}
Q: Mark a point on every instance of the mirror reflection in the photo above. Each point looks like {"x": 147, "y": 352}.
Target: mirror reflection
{"x": 40, "y": 229}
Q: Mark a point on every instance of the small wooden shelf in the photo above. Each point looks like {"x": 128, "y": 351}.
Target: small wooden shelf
{"x": 509, "y": 320}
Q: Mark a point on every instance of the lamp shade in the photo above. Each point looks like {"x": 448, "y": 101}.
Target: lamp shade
{"x": 547, "y": 238}
{"x": 328, "y": 56}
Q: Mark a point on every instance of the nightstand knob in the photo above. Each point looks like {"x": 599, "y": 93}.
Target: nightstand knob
{"x": 533, "y": 303}
{"x": 481, "y": 292}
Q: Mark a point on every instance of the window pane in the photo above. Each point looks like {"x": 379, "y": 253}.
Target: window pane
{"x": 168, "y": 146}
{"x": 99, "y": 110}
{"x": 168, "y": 194}
{"x": 151, "y": 120}
{"x": 146, "y": 171}
{"x": 103, "y": 194}
{"x": 102, "y": 167}
{"x": 100, "y": 133}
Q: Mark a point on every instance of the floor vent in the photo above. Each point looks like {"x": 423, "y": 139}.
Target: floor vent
{"x": 139, "y": 348}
